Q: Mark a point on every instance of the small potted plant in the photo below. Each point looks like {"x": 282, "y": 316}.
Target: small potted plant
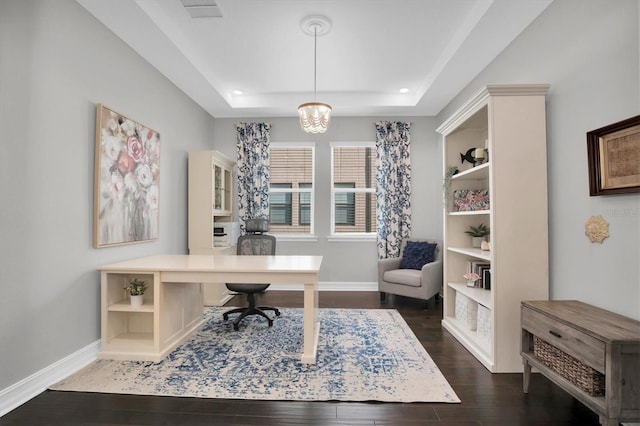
{"x": 471, "y": 278}
{"x": 478, "y": 234}
{"x": 136, "y": 289}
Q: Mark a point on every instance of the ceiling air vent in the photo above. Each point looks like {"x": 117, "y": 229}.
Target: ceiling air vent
{"x": 202, "y": 8}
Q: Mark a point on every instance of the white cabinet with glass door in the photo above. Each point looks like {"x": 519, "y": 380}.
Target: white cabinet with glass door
{"x": 210, "y": 201}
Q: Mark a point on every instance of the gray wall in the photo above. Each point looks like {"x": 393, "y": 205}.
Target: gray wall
{"x": 588, "y": 52}
{"x": 56, "y": 63}
{"x": 349, "y": 261}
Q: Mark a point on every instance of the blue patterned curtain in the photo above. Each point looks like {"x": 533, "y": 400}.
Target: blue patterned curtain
{"x": 253, "y": 171}
{"x": 393, "y": 186}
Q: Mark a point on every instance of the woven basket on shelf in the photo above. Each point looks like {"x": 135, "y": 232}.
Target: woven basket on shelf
{"x": 578, "y": 373}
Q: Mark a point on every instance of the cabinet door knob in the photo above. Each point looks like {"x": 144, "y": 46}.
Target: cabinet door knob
{"x": 555, "y": 334}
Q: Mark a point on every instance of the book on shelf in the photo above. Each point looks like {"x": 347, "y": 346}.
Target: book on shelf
{"x": 479, "y": 267}
{"x": 486, "y": 279}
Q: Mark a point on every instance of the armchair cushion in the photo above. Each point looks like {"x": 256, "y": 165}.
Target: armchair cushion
{"x": 410, "y": 277}
{"x": 416, "y": 254}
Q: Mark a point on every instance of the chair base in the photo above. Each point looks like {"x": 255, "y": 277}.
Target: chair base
{"x": 252, "y": 309}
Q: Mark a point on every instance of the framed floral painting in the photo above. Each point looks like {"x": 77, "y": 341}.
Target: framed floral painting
{"x": 127, "y": 174}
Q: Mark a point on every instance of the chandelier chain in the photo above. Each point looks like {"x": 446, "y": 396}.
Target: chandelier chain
{"x": 315, "y": 60}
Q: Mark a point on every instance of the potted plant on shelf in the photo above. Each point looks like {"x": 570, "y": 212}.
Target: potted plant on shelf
{"x": 136, "y": 289}
{"x": 478, "y": 234}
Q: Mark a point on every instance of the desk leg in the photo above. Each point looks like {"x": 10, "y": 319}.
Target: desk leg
{"x": 311, "y": 323}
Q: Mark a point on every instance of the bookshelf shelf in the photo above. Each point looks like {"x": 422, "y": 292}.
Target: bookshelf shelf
{"x": 472, "y": 252}
{"x": 479, "y": 295}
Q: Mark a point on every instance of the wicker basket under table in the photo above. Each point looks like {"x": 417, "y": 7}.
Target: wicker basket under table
{"x": 578, "y": 373}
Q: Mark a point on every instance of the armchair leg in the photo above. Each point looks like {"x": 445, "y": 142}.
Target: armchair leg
{"x": 383, "y": 296}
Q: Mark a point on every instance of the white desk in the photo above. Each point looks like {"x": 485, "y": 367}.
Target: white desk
{"x": 173, "y": 306}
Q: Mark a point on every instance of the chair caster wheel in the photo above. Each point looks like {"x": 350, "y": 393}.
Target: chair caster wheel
{"x": 270, "y": 323}
{"x": 225, "y": 316}
{"x": 235, "y": 327}
{"x": 277, "y": 313}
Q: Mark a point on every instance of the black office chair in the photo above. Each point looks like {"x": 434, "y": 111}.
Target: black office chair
{"x": 254, "y": 242}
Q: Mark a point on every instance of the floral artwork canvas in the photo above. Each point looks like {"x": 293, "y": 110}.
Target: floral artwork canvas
{"x": 127, "y": 173}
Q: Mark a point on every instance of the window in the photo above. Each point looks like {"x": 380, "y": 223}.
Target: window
{"x": 353, "y": 197}
{"x": 345, "y": 205}
{"x": 280, "y": 205}
{"x": 291, "y": 188}
{"x": 305, "y": 204}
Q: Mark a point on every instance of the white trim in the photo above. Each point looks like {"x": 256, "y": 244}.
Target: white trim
{"x": 352, "y": 238}
{"x": 296, "y": 237}
{"x": 331, "y": 286}
{"x": 29, "y": 387}
{"x": 481, "y": 98}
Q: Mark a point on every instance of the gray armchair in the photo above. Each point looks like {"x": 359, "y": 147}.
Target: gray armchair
{"x": 422, "y": 283}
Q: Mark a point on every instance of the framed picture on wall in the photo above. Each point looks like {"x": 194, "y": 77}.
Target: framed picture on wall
{"x": 614, "y": 158}
{"x": 126, "y": 184}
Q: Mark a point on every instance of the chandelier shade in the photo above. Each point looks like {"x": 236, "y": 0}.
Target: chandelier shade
{"x": 315, "y": 116}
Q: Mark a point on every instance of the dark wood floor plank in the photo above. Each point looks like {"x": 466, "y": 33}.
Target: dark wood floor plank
{"x": 487, "y": 399}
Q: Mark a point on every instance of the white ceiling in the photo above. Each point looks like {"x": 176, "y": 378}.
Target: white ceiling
{"x": 434, "y": 48}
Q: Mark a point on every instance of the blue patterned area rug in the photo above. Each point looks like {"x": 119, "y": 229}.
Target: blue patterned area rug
{"x": 363, "y": 355}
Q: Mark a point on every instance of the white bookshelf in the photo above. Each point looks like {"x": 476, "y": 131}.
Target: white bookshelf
{"x": 509, "y": 121}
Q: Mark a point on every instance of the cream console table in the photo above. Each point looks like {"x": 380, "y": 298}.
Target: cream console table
{"x": 173, "y": 306}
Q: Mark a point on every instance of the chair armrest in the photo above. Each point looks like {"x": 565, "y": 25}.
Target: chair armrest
{"x": 389, "y": 264}
{"x": 432, "y": 272}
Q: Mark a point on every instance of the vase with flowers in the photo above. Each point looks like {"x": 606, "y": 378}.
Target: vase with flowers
{"x": 136, "y": 289}
{"x": 471, "y": 278}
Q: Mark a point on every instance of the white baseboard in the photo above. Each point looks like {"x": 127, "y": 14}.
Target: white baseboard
{"x": 331, "y": 286}
{"x": 27, "y": 388}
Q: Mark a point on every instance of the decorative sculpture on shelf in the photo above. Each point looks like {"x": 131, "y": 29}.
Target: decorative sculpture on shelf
{"x": 468, "y": 156}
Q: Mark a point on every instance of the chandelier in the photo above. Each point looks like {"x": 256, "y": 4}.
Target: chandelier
{"x": 315, "y": 116}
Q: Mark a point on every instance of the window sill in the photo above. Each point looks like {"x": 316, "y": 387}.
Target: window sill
{"x": 351, "y": 238}
{"x": 296, "y": 237}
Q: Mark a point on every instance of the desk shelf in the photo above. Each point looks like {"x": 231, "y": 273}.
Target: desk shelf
{"x": 125, "y": 306}
{"x": 139, "y": 340}
{"x": 146, "y": 332}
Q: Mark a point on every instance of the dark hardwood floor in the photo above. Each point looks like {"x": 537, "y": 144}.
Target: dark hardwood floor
{"x": 487, "y": 399}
